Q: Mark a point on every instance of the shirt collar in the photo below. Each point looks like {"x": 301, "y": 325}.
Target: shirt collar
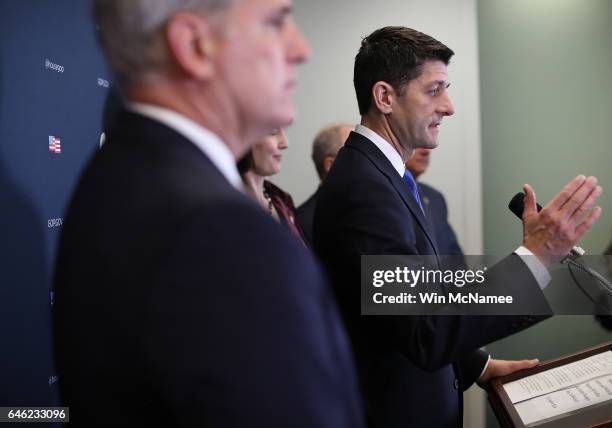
{"x": 384, "y": 146}
{"x": 208, "y": 142}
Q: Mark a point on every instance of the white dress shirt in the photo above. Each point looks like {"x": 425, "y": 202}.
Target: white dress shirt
{"x": 384, "y": 146}
{"x": 209, "y": 143}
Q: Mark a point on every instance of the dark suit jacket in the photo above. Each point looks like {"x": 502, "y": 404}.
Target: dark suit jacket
{"x": 437, "y": 215}
{"x": 180, "y": 302}
{"x": 305, "y": 216}
{"x": 412, "y": 369}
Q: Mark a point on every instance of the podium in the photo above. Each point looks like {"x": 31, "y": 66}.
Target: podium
{"x": 568, "y": 392}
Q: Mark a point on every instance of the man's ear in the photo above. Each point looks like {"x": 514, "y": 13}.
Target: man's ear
{"x": 327, "y": 163}
{"x": 191, "y": 44}
{"x": 383, "y": 97}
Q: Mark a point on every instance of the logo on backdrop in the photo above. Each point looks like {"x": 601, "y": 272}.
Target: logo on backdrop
{"x": 52, "y": 380}
{"x": 102, "y": 82}
{"x": 55, "y": 145}
{"x": 55, "y": 222}
{"x": 53, "y": 66}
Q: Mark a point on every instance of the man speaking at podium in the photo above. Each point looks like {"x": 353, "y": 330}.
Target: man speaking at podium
{"x": 179, "y": 302}
{"x": 413, "y": 369}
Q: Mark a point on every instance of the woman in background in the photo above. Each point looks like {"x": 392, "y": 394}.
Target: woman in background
{"x": 262, "y": 161}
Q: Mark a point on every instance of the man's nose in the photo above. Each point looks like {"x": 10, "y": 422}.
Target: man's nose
{"x": 447, "y": 108}
{"x": 298, "y": 49}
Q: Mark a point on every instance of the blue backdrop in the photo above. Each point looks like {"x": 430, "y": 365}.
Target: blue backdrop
{"x": 53, "y": 85}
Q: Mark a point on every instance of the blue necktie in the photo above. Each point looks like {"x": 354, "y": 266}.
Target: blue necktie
{"x": 413, "y": 188}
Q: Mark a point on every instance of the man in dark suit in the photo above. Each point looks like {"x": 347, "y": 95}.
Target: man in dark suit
{"x": 324, "y": 150}
{"x": 414, "y": 368}
{"x": 434, "y": 205}
{"x": 179, "y": 302}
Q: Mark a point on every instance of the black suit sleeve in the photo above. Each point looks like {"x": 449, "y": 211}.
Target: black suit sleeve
{"x": 470, "y": 367}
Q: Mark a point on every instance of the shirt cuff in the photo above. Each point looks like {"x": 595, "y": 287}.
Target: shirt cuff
{"x": 485, "y": 368}
{"x": 537, "y": 268}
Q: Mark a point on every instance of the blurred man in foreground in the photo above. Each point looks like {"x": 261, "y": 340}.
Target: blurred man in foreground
{"x": 166, "y": 310}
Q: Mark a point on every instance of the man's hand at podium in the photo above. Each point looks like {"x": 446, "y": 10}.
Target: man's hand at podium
{"x": 497, "y": 368}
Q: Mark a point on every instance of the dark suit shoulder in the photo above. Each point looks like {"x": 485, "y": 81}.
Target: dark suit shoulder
{"x": 359, "y": 211}
{"x": 430, "y": 191}
{"x": 308, "y": 205}
{"x": 305, "y": 217}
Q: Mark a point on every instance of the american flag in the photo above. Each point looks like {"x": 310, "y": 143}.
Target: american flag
{"x": 55, "y": 145}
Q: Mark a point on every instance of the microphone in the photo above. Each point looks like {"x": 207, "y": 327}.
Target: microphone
{"x": 517, "y": 204}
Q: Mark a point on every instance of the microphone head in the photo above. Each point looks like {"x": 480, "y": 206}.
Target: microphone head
{"x": 517, "y": 204}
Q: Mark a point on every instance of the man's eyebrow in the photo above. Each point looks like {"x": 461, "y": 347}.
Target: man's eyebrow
{"x": 441, "y": 83}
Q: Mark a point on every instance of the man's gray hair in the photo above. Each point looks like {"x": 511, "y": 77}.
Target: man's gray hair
{"x": 327, "y": 143}
{"x": 131, "y": 33}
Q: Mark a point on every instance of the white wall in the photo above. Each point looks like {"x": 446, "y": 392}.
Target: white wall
{"x": 325, "y": 94}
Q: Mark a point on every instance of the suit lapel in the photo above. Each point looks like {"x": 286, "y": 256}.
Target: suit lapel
{"x": 369, "y": 149}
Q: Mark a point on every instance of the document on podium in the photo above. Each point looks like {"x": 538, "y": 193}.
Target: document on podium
{"x": 565, "y": 389}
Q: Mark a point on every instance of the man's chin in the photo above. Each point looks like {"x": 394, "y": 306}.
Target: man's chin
{"x": 430, "y": 144}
